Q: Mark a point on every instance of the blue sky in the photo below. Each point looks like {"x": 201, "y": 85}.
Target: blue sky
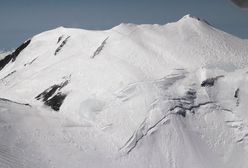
{"x": 21, "y": 19}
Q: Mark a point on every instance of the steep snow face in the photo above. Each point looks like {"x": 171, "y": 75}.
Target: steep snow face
{"x": 169, "y": 95}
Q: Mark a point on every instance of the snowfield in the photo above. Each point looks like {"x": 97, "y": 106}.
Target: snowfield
{"x": 146, "y": 96}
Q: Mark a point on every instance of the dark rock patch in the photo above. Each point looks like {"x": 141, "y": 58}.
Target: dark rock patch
{"x": 201, "y": 20}
{"x": 9, "y": 74}
{"x": 60, "y": 38}
{"x": 56, "y": 101}
{"x": 210, "y": 81}
{"x": 185, "y": 103}
{"x": 45, "y": 95}
{"x": 52, "y": 96}
{"x": 190, "y": 95}
{"x": 100, "y": 48}
{"x": 236, "y": 95}
{"x": 12, "y": 57}
{"x": 7, "y": 100}
{"x": 182, "y": 112}
{"x": 61, "y": 45}
{"x": 29, "y": 63}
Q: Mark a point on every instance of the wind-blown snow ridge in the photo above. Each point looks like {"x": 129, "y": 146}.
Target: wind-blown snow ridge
{"x": 172, "y": 95}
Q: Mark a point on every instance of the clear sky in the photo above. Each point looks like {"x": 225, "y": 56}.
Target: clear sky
{"x": 21, "y": 19}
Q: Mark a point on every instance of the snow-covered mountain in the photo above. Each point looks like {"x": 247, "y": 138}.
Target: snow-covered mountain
{"x": 171, "y": 95}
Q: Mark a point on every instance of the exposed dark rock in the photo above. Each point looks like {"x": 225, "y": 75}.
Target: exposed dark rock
{"x": 45, "y": 95}
{"x": 185, "y": 103}
{"x": 9, "y": 74}
{"x": 56, "y": 101}
{"x": 201, "y": 20}
{"x": 7, "y": 100}
{"x": 190, "y": 95}
{"x": 60, "y": 38}
{"x": 12, "y": 57}
{"x": 61, "y": 46}
{"x": 210, "y": 81}
{"x": 29, "y": 63}
{"x": 100, "y": 48}
{"x": 236, "y": 95}
{"x": 52, "y": 96}
{"x": 181, "y": 112}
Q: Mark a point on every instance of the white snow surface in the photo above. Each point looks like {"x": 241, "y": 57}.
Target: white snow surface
{"x": 135, "y": 98}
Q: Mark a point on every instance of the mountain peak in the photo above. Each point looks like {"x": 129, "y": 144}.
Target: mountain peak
{"x": 190, "y": 17}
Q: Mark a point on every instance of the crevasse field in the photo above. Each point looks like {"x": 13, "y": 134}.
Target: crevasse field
{"x": 134, "y": 96}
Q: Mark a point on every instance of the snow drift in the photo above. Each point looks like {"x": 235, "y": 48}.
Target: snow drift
{"x": 171, "y": 95}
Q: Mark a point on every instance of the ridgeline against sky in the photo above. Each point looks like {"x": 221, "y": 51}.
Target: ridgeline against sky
{"x": 21, "y": 19}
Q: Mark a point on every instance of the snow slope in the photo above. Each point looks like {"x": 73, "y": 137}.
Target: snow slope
{"x": 171, "y": 95}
